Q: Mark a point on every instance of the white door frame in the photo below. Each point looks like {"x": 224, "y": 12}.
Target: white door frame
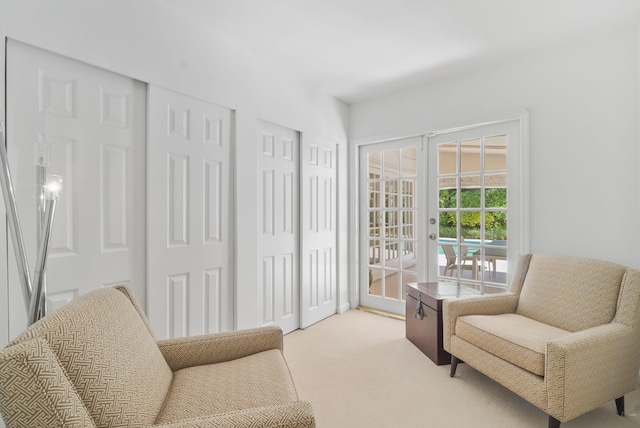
{"x": 354, "y": 185}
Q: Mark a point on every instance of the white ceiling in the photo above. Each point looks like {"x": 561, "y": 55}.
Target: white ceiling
{"x": 359, "y": 49}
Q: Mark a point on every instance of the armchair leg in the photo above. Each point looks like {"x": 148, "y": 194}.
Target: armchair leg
{"x": 553, "y": 422}
{"x": 620, "y": 405}
{"x": 454, "y": 365}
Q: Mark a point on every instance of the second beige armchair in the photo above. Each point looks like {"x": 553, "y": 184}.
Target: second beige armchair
{"x": 566, "y": 337}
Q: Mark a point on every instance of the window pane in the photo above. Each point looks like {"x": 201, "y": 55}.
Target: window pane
{"x": 495, "y": 153}
{"x": 448, "y": 192}
{"x": 470, "y": 156}
{"x": 375, "y": 165}
{"x": 409, "y": 256}
{"x": 470, "y": 225}
{"x": 447, "y": 225}
{"x": 375, "y": 223}
{"x": 495, "y": 226}
{"x": 391, "y": 283}
{"x": 447, "y": 260}
{"x": 391, "y": 193}
{"x": 495, "y": 194}
{"x": 409, "y": 193}
{"x": 470, "y": 198}
{"x": 391, "y": 254}
{"x": 391, "y": 163}
{"x": 391, "y": 224}
{"x": 409, "y": 225}
{"x": 409, "y": 161}
{"x": 374, "y": 195}
{"x": 447, "y": 160}
{"x": 375, "y": 282}
{"x": 375, "y": 254}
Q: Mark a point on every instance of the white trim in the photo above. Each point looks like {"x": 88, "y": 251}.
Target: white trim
{"x": 344, "y": 308}
{"x": 437, "y": 129}
{"x": 524, "y": 162}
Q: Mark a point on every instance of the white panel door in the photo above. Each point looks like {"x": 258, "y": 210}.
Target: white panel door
{"x": 93, "y": 122}
{"x": 278, "y": 208}
{"x": 318, "y": 223}
{"x": 190, "y": 225}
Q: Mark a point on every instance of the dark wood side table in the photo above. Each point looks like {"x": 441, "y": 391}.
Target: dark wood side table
{"x": 424, "y": 326}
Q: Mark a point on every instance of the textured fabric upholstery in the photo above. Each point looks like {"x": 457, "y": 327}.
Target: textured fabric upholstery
{"x": 96, "y": 363}
{"x": 570, "y": 294}
{"x": 587, "y": 353}
{"x": 520, "y": 340}
{"x": 253, "y": 381}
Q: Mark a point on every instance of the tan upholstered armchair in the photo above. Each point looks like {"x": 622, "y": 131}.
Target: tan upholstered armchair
{"x": 96, "y": 363}
{"x": 566, "y": 337}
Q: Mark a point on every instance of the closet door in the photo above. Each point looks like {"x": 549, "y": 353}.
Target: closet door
{"x": 92, "y": 122}
{"x": 190, "y": 265}
{"x": 319, "y": 245}
{"x": 278, "y": 240}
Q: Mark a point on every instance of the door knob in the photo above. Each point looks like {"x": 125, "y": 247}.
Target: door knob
{"x": 432, "y": 236}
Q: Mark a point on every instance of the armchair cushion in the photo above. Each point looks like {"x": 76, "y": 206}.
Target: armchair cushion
{"x": 519, "y": 340}
{"x": 569, "y": 293}
{"x": 253, "y": 381}
{"x": 109, "y": 355}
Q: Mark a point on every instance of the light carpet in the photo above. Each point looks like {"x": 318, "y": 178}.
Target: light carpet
{"x": 358, "y": 370}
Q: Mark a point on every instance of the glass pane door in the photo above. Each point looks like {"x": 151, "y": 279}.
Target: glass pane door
{"x": 389, "y": 222}
{"x": 470, "y": 176}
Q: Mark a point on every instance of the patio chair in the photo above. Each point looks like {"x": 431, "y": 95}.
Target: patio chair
{"x": 95, "y": 363}
{"x": 565, "y": 337}
{"x": 452, "y": 259}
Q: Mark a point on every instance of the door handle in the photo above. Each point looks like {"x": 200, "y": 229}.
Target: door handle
{"x": 432, "y": 236}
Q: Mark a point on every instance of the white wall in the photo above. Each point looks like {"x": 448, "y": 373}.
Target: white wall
{"x": 584, "y": 139}
{"x": 146, "y": 40}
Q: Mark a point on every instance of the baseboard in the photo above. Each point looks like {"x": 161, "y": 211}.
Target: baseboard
{"x": 344, "y": 308}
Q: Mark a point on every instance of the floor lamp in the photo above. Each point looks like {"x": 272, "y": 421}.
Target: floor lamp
{"x": 33, "y": 294}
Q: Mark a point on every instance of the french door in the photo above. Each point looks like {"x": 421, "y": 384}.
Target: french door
{"x": 390, "y": 207}
{"x": 444, "y": 207}
{"x": 475, "y": 219}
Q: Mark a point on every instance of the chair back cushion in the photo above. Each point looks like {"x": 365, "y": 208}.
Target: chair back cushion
{"x": 570, "y": 293}
{"x": 109, "y": 355}
{"x": 35, "y": 391}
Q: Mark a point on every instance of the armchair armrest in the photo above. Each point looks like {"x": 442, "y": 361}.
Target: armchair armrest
{"x": 590, "y": 367}
{"x": 219, "y": 347}
{"x": 298, "y": 414}
{"x": 487, "y": 304}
